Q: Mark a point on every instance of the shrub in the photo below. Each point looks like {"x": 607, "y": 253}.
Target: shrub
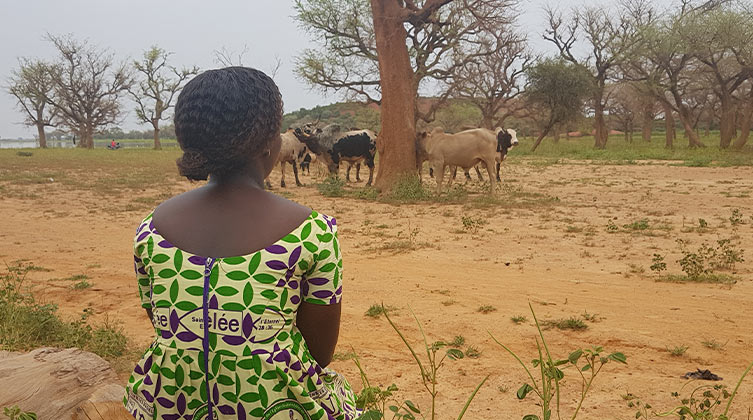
{"x": 332, "y": 186}
{"x": 26, "y": 324}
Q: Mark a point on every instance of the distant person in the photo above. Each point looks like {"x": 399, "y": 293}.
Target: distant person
{"x": 113, "y": 144}
{"x": 243, "y": 287}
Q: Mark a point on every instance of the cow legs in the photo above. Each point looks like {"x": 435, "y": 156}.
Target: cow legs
{"x": 347, "y": 172}
{"x": 498, "y": 166}
{"x": 478, "y": 172}
{"x": 282, "y": 171}
{"x": 358, "y": 172}
{"x": 295, "y": 172}
{"x": 490, "y": 171}
{"x": 370, "y": 164}
{"x": 467, "y": 175}
{"x": 440, "y": 175}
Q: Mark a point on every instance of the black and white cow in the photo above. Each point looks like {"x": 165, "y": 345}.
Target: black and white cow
{"x": 333, "y": 144}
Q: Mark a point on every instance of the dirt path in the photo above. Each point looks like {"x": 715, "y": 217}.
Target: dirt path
{"x": 549, "y": 246}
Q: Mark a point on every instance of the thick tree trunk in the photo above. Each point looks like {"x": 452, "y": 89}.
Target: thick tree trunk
{"x": 647, "y": 127}
{"x": 397, "y": 140}
{"x": 556, "y": 134}
{"x": 727, "y": 128}
{"x": 685, "y": 119}
{"x": 746, "y": 123}
{"x": 86, "y": 139}
{"x": 669, "y": 126}
{"x": 42, "y": 136}
{"x": 157, "y": 144}
{"x": 600, "y": 126}
{"x": 693, "y": 140}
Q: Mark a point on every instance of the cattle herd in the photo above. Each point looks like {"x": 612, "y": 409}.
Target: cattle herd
{"x": 332, "y": 144}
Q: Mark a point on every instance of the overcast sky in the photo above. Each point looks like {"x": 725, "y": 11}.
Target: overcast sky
{"x": 191, "y": 29}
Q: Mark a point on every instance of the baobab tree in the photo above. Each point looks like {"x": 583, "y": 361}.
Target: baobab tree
{"x": 157, "y": 87}
{"x": 31, "y": 84}
{"x": 88, "y": 87}
{"x": 386, "y": 52}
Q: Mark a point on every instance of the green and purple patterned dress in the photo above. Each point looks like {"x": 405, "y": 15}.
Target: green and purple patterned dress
{"x": 253, "y": 363}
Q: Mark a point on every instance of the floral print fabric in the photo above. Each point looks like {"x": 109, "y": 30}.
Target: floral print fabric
{"x": 226, "y": 335}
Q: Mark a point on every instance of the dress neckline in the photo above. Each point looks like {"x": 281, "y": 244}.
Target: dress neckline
{"x": 153, "y": 230}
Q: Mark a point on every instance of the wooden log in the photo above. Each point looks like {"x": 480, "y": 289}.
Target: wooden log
{"x": 56, "y": 383}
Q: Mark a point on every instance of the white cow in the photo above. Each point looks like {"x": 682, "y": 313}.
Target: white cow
{"x": 293, "y": 152}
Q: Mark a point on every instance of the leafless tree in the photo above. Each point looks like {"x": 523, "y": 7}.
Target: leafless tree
{"x": 156, "y": 88}
{"x": 228, "y": 58}
{"x": 608, "y": 35}
{"x": 88, "y": 87}
{"x": 494, "y": 82}
{"x": 31, "y": 84}
{"x": 349, "y": 62}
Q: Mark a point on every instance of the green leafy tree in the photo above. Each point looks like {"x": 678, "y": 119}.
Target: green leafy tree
{"x": 557, "y": 89}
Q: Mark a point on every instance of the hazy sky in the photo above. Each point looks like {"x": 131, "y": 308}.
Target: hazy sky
{"x": 191, "y": 29}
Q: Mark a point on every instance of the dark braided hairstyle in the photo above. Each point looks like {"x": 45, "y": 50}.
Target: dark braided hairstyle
{"x": 223, "y": 118}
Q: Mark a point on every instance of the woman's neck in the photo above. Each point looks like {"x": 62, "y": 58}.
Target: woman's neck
{"x": 247, "y": 178}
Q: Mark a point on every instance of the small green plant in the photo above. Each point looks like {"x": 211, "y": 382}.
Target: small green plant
{"x": 702, "y": 403}
{"x": 706, "y": 259}
{"x": 472, "y": 224}
{"x": 702, "y": 223}
{"x": 585, "y": 362}
{"x": 376, "y": 310}
{"x": 15, "y": 413}
{"x": 458, "y": 341}
{"x": 81, "y": 285}
{"x": 408, "y": 190}
{"x": 485, "y": 309}
{"x": 736, "y": 218}
{"x": 572, "y": 323}
{"x": 591, "y": 317}
{"x": 612, "y": 227}
{"x": 677, "y": 351}
{"x": 637, "y": 225}
{"x": 344, "y": 356}
{"x": 473, "y": 352}
{"x": 713, "y": 344}
{"x": 376, "y": 401}
{"x": 332, "y": 186}
{"x": 657, "y": 263}
{"x": 518, "y": 319}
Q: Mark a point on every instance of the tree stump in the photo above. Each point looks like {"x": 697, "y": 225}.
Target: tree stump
{"x": 61, "y": 384}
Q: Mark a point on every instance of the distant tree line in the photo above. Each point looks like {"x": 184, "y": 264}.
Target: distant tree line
{"x": 81, "y": 91}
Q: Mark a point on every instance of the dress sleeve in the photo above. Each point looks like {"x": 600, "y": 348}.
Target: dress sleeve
{"x": 142, "y": 271}
{"x": 145, "y": 284}
{"x": 322, "y": 284}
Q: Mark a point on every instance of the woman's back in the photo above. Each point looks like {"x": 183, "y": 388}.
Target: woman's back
{"x": 243, "y": 287}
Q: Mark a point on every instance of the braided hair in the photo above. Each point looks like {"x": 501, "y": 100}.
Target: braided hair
{"x": 223, "y": 118}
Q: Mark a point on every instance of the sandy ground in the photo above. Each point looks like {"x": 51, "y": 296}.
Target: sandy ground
{"x": 555, "y": 254}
